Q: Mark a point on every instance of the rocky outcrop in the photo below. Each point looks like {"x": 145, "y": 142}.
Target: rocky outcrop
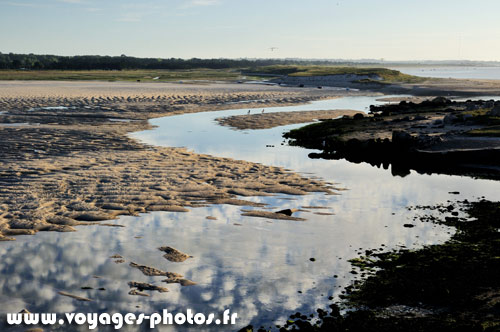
{"x": 495, "y": 111}
{"x": 402, "y": 139}
{"x": 437, "y": 135}
{"x": 450, "y": 119}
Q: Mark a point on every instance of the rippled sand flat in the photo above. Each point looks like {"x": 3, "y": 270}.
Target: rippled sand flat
{"x": 270, "y": 120}
{"x": 69, "y": 161}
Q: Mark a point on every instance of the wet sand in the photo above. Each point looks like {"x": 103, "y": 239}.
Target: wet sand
{"x": 62, "y": 168}
{"x": 275, "y": 119}
{"x": 424, "y": 86}
{"x": 450, "y": 87}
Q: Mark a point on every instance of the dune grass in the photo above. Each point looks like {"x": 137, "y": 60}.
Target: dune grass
{"x": 385, "y": 75}
{"x": 380, "y": 75}
{"x": 121, "y": 75}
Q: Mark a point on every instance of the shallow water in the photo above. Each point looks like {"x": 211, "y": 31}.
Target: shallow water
{"x": 491, "y": 73}
{"x": 49, "y": 108}
{"x": 255, "y": 267}
{"x": 19, "y": 124}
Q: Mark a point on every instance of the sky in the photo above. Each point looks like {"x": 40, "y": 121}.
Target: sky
{"x": 322, "y": 29}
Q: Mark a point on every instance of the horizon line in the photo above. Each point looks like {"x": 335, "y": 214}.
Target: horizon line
{"x": 359, "y": 60}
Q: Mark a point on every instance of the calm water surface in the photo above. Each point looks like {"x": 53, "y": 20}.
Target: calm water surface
{"x": 491, "y": 73}
{"x": 255, "y": 267}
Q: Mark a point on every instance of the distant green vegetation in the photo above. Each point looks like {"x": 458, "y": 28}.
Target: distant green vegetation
{"x": 95, "y": 62}
{"x": 162, "y": 75}
{"x": 386, "y": 75}
{"x": 121, "y": 75}
{"x": 126, "y": 68}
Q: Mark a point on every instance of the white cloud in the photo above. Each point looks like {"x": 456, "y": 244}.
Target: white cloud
{"x": 205, "y": 2}
{"x": 38, "y": 5}
{"x": 19, "y": 4}
{"x": 129, "y": 18}
{"x": 198, "y": 3}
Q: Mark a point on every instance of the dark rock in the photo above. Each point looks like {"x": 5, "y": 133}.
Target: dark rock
{"x": 471, "y": 106}
{"x": 427, "y": 140}
{"x": 495, "y": 111}
{"x": 287, "y": 212}
{"x": 489, "y": 104}
{"x": 142, "y": 286}
{"x": 401, "y": 138}
{"x": 440, "y": 101}
{"x": 450, "y": 119}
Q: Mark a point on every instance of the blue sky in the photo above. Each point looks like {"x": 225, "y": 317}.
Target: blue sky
{"x": 349, "y": 29}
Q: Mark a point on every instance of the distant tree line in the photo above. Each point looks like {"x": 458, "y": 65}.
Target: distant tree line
{"x": 89, "y": 62}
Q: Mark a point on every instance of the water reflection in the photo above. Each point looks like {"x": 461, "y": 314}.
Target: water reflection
{"x": 256, "y": 269}
{"x": 462, "y": 72}
{"x": 201, "y": 133}
{"x": 254, "y": 266}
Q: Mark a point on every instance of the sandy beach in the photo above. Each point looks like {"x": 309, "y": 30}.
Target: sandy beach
{"x": 275, "y": 119}
{"x": 67, "y": 159}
